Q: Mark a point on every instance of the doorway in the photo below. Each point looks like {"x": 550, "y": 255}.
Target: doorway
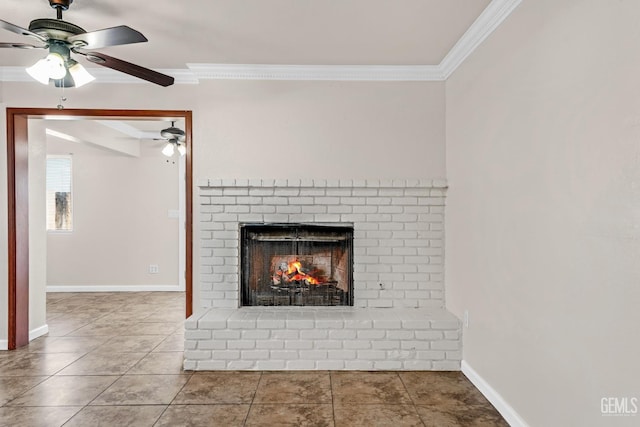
{"x": 18, "y": 232}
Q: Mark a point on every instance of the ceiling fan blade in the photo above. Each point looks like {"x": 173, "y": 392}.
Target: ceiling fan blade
{"x": 107, "y": 37}
{"x": 21, "y": 46}
{"x": 127, "y": 68}
{"x": 19, "y": 30}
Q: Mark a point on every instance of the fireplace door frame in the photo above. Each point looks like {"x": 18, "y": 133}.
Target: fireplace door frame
{"x": 247, "y": 228}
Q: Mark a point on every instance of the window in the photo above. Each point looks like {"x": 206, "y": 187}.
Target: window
{"x": 59, "y": 206}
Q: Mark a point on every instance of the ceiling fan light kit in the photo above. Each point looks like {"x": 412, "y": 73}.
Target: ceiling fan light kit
{"x": 62, "y": 38}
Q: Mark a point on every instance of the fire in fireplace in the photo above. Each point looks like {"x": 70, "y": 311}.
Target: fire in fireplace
{"x": 296, "y": 264}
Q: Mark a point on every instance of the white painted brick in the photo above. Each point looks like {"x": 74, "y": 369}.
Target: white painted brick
{"x": 357, "y": 344}
{"x": 197, "y": 354}
{"x": 445, "y": 324}
{"x": 385, "y": 345}
{"x": 300, "y": 323}
{"x": 328, "y": 344}
{"x": 313, "y": 354}
{"x": 329, "y": 324}
{"x": 226, "y": 334}
{"x": 331, "y": 365}
{"x": 447, "y": 365}
{"x": 358, "y": 365}
{"x": 430, "y": 355}
{"x": 300, "y": 365}
{"x": 270, "y": 365}
{"x": 342, "y": 354}
{"x": 197, "y": 334}
{"x": 211, "y": 365}
{"x": 314, "y": 334}
{"x": 416, "y": 345}
{"x": 371, "y": 354}
{"x": 417, "y": 365}
{"x": 270, "y": 323}
{"x": 344, "y": 334}
{"x": 255, "y": 334}
{"x": 387, "y": 365}
{"x": 387, "y": 324}
{"x": 238, "y": 365}
{"x": 241, "y": 344}
{"x": 298, "y": 345}
{"x": 285, "y": 334}
{"x": 225, "y": 355}
{"x": 358, "y": 324}
{"x": 380, "y": 303}
{"x": 453, "y": 355}
{"x": 445, "y": 345}
{"x": 270, "y": 344}
{"x": 189, "y": 365}
{"x": 451, "y": 335}
{"x": 255, "y": 354}
{"x": 212, "y": 345}
{"x": 415, "y": 324}
{"x": 283, "y": 354}
{"x": 400, "y": 335}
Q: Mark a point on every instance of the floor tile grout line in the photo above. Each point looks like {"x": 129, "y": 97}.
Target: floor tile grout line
{"x": 253, "y": 398}
{"x": 413, "y": 403}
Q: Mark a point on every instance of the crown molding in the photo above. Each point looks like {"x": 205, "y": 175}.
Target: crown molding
{"x": 489, "y": 20}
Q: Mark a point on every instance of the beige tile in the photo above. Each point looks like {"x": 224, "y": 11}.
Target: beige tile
{"x": 103, "y": 363}
{"x": 12, "y": 387}
{"x": 110, "y": 416}
{"x": 157, "y": 328}
{"x": 203, "y": 415}
{"x": 64, "y": 391}
{"x": 441, "y": 388}
{"x": 132, "y": 343}
{"x": 368, "y": 387}
{"x": 298, "y": 415}
{"x": 142, "y": 390}
{"x": 173, "y": 342}
{"x": 219, "y": 387}
{"x": 461, "y": 415}
{"x": 61, "y": 326}
{"x": 377, "y": 415}
{"x": 65, "y": 344}
{"x": 102, "y": 329}
{"x": 160, "y": 363}
{"x": 36, "y": 417}
{"x": 36, "y": 364}
{"x": 294, "y": 387}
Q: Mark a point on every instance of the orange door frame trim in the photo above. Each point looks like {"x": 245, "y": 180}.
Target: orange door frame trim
{"x": 18, "y": 204}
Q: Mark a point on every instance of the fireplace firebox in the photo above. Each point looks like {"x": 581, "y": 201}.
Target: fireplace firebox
{"x": 296, "y": 265}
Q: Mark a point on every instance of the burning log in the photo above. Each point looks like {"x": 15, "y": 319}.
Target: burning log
{"x": 293, "y": 273}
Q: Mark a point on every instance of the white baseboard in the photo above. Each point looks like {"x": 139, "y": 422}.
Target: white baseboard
{"x": 4, "y": 345}
{"x": 507, "y": 412}
{"x": 38, "y": 332}
{"x": 116, "y": 288}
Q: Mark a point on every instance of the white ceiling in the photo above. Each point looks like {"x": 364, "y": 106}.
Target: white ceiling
{"x": 305, "y": 32}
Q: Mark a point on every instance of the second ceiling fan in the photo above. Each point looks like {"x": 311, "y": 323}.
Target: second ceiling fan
{"x": 62, "y": 38}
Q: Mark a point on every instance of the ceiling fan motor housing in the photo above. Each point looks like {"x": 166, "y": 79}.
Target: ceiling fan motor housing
{"x": 54, "y": 28}
{"x": 60, "y": 4}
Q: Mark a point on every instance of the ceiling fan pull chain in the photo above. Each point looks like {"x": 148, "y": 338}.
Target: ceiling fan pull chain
{"x": 63, "y": 98}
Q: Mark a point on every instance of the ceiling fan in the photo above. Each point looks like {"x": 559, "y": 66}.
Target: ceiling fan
{"x": 62, "y": 38}
{"x": 175, "y": 138}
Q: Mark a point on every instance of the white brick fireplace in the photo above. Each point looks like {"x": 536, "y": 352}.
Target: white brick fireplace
{"x": 397, "y": 321}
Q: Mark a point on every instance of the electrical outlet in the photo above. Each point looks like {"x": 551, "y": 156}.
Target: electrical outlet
{"x": 154, "y": 269}
{"x": 465, "y": 320}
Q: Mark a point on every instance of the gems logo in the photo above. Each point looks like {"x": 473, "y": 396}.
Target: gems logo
{"x": 619, "y": 406}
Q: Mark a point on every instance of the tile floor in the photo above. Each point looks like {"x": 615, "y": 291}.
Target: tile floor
{"x": 115, "y": 359}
